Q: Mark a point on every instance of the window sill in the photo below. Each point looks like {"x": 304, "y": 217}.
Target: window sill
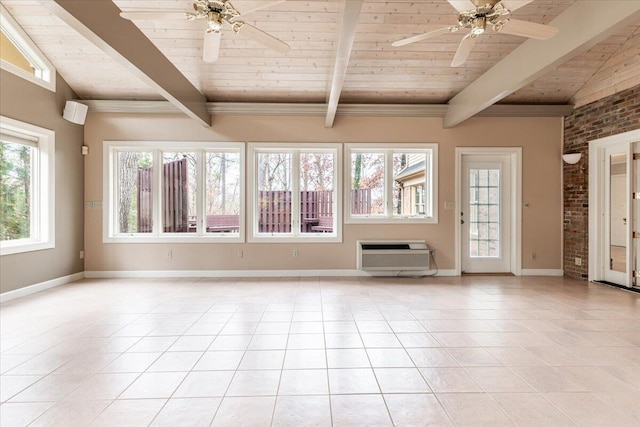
{"x": 174, "y": 239}
{"x": 385, "y": 220}
{"x": 21, "y": 246}
{"x": 50, "y": 85}
{"x": 273, "y": 238}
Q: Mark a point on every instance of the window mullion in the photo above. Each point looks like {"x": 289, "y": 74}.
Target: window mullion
{"x": 252, "y": 177}
{"x": 428, "y": 180}
{"x": 388, "y": 183}
{"x": 35, "y": 199}
{"x": 158, "y": 196}
{"x": 346, "y": 185}
{"x": 295, "y": 192}
{"x": 115, "y": 200}
{"x": 200, "y": 191}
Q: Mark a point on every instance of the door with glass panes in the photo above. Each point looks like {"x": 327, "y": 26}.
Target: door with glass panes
{"x": 486, "y": 214}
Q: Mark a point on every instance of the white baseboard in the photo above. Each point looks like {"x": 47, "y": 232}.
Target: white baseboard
{"x": 542, "y": 272}
{"x": 448, "y": 273}
{"x": 32, "y": 289}
{"x": 242, "y": 273}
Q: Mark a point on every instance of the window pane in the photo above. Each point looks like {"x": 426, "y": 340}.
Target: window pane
{"x": 274, "y": 192}
{"x": 367, "y": 184}
{"x": 409, "y": 176}
{"x": 10, "y": 53}
{"x": 15, "y": 190}
{"x": 179, "y": 192}
{"x": 135, "y": 192}
{"x": 316, "y": 192}
{"x": 222, "y": 198}
{"x": 484, "y": 216}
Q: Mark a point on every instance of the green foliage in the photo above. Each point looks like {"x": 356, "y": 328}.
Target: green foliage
{"x": 15, "y": 191}
{"x": 357, "y": 172}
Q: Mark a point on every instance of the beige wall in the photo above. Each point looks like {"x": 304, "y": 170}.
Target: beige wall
{"x": 28, "y": 102}
{"x": 542, "y": 219}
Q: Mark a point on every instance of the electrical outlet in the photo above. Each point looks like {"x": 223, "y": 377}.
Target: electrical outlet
{"x": 534, "y": 256}
{"x": 169, "y": 253}
{"x": 295, "y": 253}
{"x": 240, "y": 253}
{"x": 578, "y": 261}
{"x": 81, "y": 254}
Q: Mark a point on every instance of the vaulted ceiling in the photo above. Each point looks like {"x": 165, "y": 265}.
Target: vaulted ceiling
{"x": 375, "y": 71}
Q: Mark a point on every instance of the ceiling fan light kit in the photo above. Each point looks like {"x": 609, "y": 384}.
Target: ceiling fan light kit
{"x": 476, "y": 15}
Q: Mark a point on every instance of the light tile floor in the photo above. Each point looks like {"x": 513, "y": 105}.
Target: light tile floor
{"x": 322, "y": 351}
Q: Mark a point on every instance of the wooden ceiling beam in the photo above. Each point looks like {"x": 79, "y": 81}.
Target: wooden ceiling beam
{"x": 582, "y": 26}
{"x": 350, "y": 17}
{"x": 99, "y": 22}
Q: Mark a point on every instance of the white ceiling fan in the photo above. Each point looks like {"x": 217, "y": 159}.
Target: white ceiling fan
{"x": 477, "y": 15}
{"x": 216, "y": 13}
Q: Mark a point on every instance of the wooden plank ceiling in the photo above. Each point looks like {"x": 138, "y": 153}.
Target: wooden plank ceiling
{"x": 377, "y": 72}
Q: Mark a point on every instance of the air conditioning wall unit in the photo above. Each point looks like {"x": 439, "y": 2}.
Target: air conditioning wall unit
{"x": 393, "y": 255}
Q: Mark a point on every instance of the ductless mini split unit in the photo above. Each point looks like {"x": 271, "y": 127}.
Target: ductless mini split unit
{"x": 397, "y": 256}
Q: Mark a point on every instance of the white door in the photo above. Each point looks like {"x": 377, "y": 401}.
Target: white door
{"x": 635, "y": 213}
{"x": 616, "y": 225}
{"x": 486, "y": 214}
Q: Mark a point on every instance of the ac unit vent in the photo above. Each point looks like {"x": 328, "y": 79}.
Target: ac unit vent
{"x": 393, "y": 255}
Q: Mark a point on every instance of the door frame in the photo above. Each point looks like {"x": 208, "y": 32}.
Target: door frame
{"x": 515, "y": 158}
{"x": 597, "y": 203}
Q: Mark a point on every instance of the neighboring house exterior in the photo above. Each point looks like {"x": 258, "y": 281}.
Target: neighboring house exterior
{"x": 410, "y": 185}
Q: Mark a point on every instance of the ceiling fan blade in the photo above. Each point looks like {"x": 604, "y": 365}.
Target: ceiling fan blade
{"x": 263, "y": 38}
{"x": 462, "y": 5}
{"x": 514, "y": 4}
{"x": 529, "y": 29}
{"x": 466, "y": 45}
{"x": 155, "y": 15}
{"x": 420, "y": 37}
{"x": 211, "y": 46}
{"x": 253, "y": 6}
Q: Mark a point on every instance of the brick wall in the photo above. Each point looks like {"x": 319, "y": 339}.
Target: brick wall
{"x": 609, "y": 116}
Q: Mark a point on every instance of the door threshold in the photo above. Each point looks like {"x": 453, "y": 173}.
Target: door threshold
{"x": 464, "y": 273}
{"x": 615, "y": 285}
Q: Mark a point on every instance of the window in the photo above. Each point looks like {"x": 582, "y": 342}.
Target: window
{"x": 26, "y": 187}
{"x": 294, "y": 192}
{"x": 20, "y": 56}
{"x": 174, "y": 192}
{"x": 391, "y": 185}
{"x": 418, "y": 197}
{"x": 484, "y": 212}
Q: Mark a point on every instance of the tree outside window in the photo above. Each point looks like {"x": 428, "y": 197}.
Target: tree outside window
{"x": 15, "y": 190}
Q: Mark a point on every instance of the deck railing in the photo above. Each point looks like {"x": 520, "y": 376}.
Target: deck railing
{"x": 274, "y": 207}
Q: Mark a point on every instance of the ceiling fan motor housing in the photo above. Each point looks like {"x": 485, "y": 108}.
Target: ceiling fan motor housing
{"x": 485, "y": 12}
{"x": 485, "y": 3}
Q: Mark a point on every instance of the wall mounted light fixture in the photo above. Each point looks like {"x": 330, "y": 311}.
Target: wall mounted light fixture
{"x": 571, "y": 158}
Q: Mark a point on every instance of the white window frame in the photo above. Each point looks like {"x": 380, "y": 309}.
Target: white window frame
{"x": 110, "y": 173}
{"x": 430, "y": 184}
{"x": 295, "y": 236}
{"x": 45, "y": 72}
{"x": 42, "y": 215}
